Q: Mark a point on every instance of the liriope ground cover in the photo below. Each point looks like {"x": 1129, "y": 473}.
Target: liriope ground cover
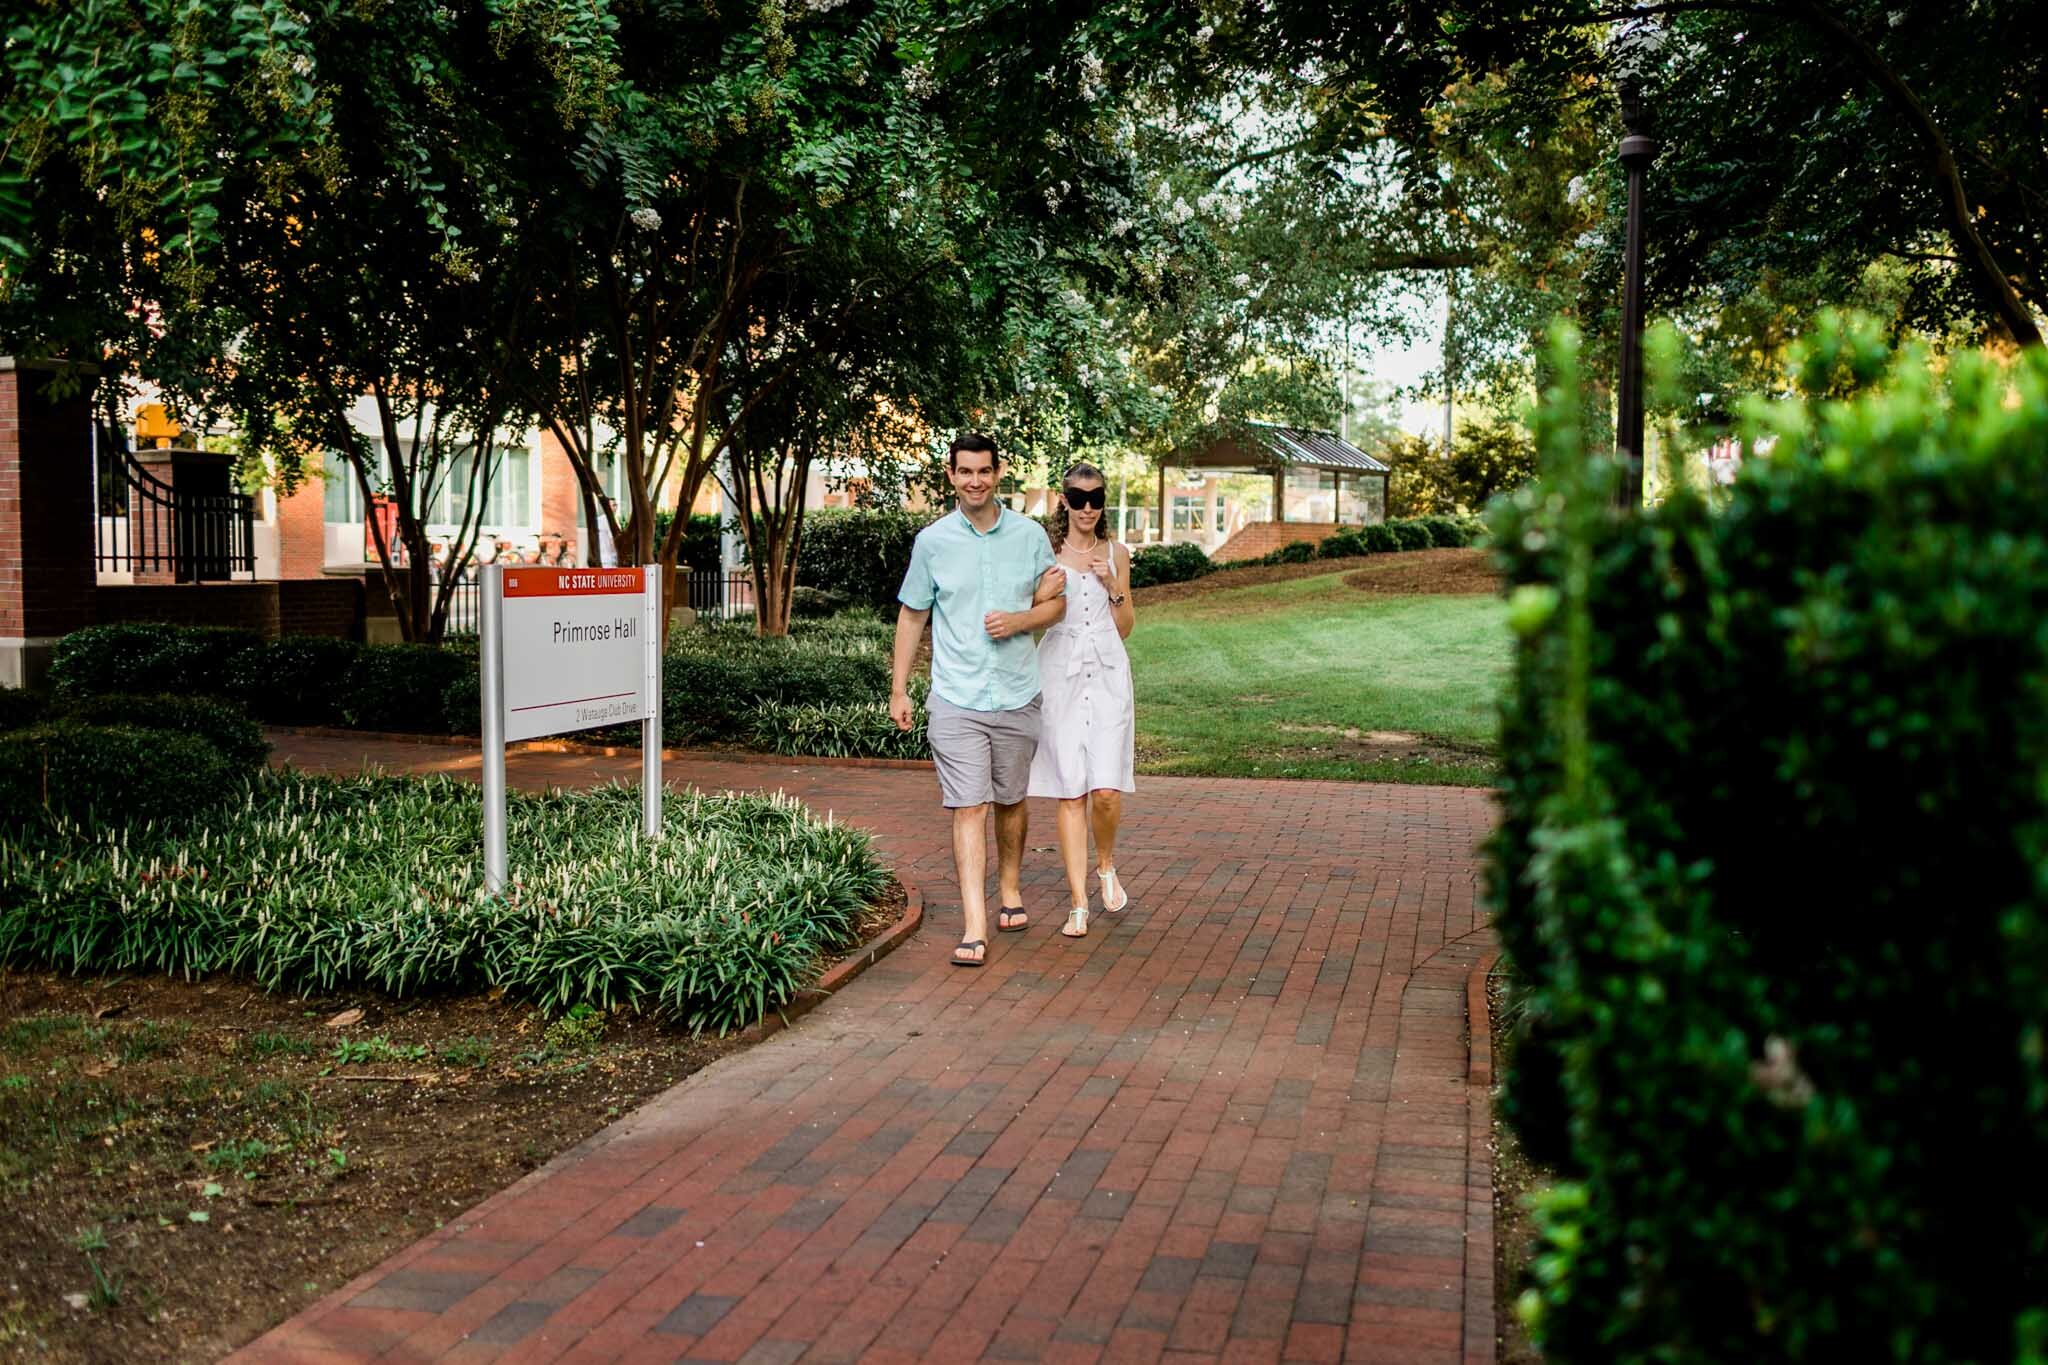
{"x": 308, "y": 883}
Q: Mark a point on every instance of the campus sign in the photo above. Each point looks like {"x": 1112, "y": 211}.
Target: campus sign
{"x": 562, "y": 650}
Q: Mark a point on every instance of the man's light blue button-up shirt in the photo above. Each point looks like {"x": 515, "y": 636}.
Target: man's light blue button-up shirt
{"x": 961, "y": 574}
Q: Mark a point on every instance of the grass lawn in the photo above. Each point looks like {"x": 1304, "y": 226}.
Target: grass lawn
{"x": 1310, "y": 678}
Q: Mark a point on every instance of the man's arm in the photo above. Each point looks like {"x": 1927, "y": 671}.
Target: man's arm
{"x": 909, "y": 631}
{"x": 1048, "y": 601}
{"x": 1049, "y": 604}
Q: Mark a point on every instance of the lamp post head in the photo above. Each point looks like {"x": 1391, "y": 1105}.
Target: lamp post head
{"x": 1635, "y": 51}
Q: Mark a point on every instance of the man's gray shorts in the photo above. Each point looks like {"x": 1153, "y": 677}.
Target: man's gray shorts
{"x": 982, "y": 756}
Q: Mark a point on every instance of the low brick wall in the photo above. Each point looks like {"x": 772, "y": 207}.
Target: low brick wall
{"x": 314, "y": 606}
{"x": 321, "y": 606}
{"x": 1264, "y": 537}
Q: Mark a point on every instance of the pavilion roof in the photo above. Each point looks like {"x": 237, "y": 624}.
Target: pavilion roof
{"x": 1314, "y": 449}
{"x": 1268, "y": 444}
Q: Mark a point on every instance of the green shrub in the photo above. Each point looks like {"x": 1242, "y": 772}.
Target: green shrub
{"x": 846, "y": 730}
{"x": 1445, "y": 533}
{"x": 703, "y": 540}
{"x": 141, "y": 657}
{"x": 297, "y": 680}
{"x": 1294, "y": 552}
{"x": 1772, "y": 878}
{"x": 114, "y": 774}
{"x": 222, "y": 724}
{"x": 1157, "y": 564}
{"x": 1408, "y": 535}
{"x": 715, "y": 680}
{"x": 859, "y": 553}
{"x": 1343, "y": 545}
{"x": 20, "y": 709}
{"x": 1379, "y": 538}
{"x": 401, "y": 687}
{"x": 312, "y": 884}
{"x": 817, "y": 604}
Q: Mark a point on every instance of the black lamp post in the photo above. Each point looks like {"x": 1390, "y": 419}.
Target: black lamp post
{"x": 1637, "y": 42}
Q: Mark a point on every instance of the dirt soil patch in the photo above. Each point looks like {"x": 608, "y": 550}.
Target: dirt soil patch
{"x": 1514, "y": 1230}
{"x": 185, "y": 1164}
{"x": 1374, "y": 746}
{"x": 1427, "y": 573}
{"x": 1411, "y": 573}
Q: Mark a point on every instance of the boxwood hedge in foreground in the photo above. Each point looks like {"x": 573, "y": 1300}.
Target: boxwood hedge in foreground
{"x": 1772, "y": 877}
{"x": 319, "y": 884}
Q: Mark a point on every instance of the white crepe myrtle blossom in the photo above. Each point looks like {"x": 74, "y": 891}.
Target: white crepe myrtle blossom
{"x": 647, "y": 220}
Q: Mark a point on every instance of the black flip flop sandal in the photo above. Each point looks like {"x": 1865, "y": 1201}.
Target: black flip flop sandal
{"x": 1005, "y": 912}
{"x": 970, "y": 961}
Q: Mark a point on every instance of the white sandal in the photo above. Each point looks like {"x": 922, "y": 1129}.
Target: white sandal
{"x": 1113, "y": 897}
{"x": 1077, "y": 923}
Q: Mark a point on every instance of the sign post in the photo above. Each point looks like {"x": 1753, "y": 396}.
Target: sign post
{"x": 562, "y": 650}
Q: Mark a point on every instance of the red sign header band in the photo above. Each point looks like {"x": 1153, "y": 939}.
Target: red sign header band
{"x": 525, "y": 582}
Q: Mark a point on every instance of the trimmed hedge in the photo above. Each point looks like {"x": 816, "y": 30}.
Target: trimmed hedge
{"x": 404, "y": 687}
{"x": 112, "y": 773}
{"x": 20, "y": 709}
{"x": 845, "y": 730}
{"x": 1772, "y": 879}
{"x": 716, "y": 680}
{"x": 221, "y": 724}
{"x": 139, "y": 657}
{"x": 1410, "y": 535}
{"x": 817, "y": 604}
{"x": 859, "y": 553}
{"x": 1157, "y": 564}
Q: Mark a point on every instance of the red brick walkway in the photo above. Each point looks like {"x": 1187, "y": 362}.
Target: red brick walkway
{"x": 1231, "y": 1124}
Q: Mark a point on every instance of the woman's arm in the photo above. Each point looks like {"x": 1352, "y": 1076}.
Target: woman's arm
{"x": 1125, "y": 613}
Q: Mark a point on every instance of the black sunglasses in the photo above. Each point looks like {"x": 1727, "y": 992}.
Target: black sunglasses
{"x": 1078, "y": 498}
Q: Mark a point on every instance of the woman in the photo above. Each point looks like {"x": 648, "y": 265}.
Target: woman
{"x": 1084, "y": 758}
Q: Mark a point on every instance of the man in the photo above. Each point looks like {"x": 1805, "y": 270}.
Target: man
{"x": 977, "y": 569}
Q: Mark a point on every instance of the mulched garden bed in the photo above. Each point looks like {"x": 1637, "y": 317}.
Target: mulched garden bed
{"x": 185, "y": 1164}
{"x": 1409, "y": 573}
{"x": 1427, "y": 573}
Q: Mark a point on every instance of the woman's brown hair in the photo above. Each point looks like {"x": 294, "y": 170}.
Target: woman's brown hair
{"x": 1058, "y": 532}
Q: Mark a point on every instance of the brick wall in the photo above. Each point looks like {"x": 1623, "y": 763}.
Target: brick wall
{"x": 302, "y": 531}
{"x": 1264, "y": 537}
{"x": 560, "y": 493}
{"x": 310, "y": 606}
{"x": 321, "y": 606}
{"x": 251, "y": 606}
{"x": 46, "y": 519}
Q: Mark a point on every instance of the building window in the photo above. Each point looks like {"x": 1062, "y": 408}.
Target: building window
{"x": 509, "y": 503}
{"x": 610, "y": 468}
{"x": 1311, "y": 495}
{"x": 344, "y": 495}
{"x": 1190, "y": 512}
{"x": 508, "y": 506}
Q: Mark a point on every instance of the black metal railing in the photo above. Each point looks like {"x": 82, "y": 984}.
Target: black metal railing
{"x": 147, "y": 526}
{"x": 721, "y": 596}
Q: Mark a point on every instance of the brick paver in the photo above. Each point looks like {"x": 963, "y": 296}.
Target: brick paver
{"x": 1234, "y": 1123}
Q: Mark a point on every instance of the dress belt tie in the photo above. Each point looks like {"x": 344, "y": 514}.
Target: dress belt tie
{"x": 1089, "y": 647}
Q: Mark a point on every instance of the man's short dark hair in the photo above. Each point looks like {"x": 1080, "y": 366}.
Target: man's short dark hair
{"x": 972, "y": 440}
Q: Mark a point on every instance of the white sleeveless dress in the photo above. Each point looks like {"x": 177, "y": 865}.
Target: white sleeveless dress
{"x": 1084, "y": 673}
